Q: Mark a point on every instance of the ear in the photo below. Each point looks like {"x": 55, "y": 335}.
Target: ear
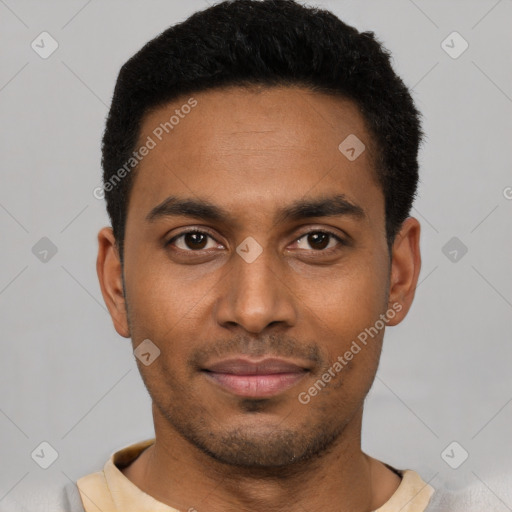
{"x": 108, "y": 267}
{"x": 405, "y": 269}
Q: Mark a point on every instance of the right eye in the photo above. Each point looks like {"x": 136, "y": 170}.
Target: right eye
{"x": 191, "y": 241}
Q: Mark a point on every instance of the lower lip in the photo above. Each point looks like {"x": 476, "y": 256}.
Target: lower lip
{"x": 256, "y": 386}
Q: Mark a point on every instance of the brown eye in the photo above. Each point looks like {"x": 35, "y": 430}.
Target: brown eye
{"x": 191, "y": 240}
{"x": 320, "y": 240}
{"x": 195, "y": 240}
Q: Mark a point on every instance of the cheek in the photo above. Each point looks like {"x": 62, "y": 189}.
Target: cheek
{"x": 161, "y": 300}
{"x": 171, "y": 314}
{"x": 348, "y": 300}
{"x": 344, "y": 309}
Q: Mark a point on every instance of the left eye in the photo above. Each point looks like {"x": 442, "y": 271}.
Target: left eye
{"x": 319, "y": 240}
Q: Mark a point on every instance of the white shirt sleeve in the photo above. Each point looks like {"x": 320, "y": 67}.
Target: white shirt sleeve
{"x": 44, "y": 499}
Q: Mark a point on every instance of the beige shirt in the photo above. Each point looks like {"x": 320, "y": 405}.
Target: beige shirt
{"x": 111, "y": 491}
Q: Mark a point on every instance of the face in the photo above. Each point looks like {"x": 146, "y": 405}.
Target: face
{"x": 255, "y": 261}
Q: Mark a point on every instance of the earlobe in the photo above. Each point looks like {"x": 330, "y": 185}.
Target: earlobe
{"x": 405, "y": 268}
{"x": 109, "y": 270}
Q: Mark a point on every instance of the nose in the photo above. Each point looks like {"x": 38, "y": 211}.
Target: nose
{"x": 254, "y": 295}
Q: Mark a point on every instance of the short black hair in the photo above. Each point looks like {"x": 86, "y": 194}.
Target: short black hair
{"x": 270, "y": 43}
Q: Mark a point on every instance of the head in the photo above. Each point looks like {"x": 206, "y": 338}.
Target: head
{"x": 260, "y": 163}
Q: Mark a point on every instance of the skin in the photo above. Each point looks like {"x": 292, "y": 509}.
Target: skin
{"x": 251, "y": 152}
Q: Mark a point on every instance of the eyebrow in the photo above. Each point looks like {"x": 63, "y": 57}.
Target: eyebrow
{"x": 201, "y": 209}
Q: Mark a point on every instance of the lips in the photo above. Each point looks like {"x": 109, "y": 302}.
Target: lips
{"x": 257, "y": 379}
{"x": 247, "y": 367}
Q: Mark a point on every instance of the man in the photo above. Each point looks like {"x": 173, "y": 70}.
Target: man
{"x": 260, "y": 163}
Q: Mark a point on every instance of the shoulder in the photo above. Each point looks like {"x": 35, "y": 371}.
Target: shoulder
{"x": 486, "y": 493}
{"x": 57, "y": 498}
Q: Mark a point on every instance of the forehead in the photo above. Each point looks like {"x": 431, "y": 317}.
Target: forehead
{"x": 253, "y": 149}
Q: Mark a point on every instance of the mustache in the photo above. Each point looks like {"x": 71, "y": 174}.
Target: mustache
{"x": 270, "y": 345}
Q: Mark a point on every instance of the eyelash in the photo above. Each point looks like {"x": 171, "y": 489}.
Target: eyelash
{"x": 315, "y": 231}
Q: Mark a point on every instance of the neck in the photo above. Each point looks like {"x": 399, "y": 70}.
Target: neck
{"x": 341, "y": 479}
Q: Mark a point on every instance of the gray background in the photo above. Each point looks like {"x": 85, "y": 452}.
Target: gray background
{"x": 67, "y": 377}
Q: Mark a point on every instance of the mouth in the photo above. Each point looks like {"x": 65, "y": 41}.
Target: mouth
{"x": 255, "y": 379}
